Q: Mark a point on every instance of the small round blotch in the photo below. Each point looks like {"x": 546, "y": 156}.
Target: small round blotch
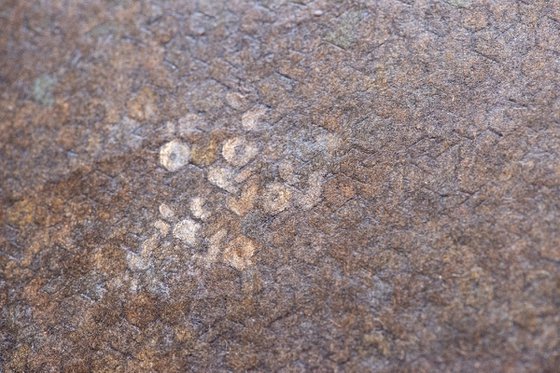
{"x": 238, "y": 253}
{"x": 238, "y": 152}
{"x": 251, "y": 120}
{"x": 276, "y": 198}
{"x": 235, "y": 99}
{"x": 166, "y": 211}
{"x": 187, "y": 230}
{"x": 162, "y": 227}
{"x": 174, "y": 155}
{"x": 222, "y": 178}
{"x": 197, "y": 208}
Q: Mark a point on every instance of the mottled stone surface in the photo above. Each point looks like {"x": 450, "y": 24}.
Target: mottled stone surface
{"x": 280, "y": 185}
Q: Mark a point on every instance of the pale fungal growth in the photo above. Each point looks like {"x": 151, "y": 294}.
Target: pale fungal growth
{"x": 238, "y": 253}
{"x": 251, "y": 119}
{"x": 174, "y": 155}
{"x": 238, "y": 151}
{"x": 136, "y": 262}
{"x": 187, "y": 230}
{"x": 162, "y": 227}
{"x": 222, "y": 178}
{"x": 235, "y": 100}
{"x": 166, "y": 211}
{"x": 245, "y": 173}
{"x": 197, "y": 208}
{"x": 148, "y": 246}
{"x": 330, "y": 142}
{"x": 214, "y": 247}
{"x": 169, "y": 129}
{"x": 276, "y": 198}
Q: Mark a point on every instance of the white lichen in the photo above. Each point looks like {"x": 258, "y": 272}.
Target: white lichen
{"x": 162, "y": 227}
{"x": 222, "y": 178}
{"x": 166, "y": 211}
{"x": 197, "y": 208}
{"x": 187, "y": 231}
{"x": 251, "y": 120}
{"x": 174, "y": 155}
{"x": 238, "y": 151}
{"x": 276, "y": 198}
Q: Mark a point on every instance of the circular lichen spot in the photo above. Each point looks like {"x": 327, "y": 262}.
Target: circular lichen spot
{"x": 186, "y": 230}
{"x": 251, "y": 120}
{"x": 276, "y": 198}
{"x": 238, "y": 253}
{"x": 174, "y": 155}
{"x": 238, "y": 151}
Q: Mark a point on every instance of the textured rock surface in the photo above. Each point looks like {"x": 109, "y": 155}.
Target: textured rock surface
{"x": 280, "y": 185}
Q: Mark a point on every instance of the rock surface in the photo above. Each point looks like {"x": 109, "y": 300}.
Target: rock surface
{"x": 280, "y": 186}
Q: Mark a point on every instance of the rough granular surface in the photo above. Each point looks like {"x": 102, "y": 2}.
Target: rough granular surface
{"x": 215, "y": 186}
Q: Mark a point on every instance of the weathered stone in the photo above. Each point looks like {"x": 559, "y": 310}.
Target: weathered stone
{"x": 279, "y": 186}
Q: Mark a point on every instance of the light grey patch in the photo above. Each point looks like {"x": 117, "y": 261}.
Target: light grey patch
{"x": 276, "y": 198}
{"x": 238, "y": 151}
{"x": 43, "y": 89}
{"x": 460, "y": 3}
{"x": 166, "y": 211}
{"x": 252, "y": 120}
{"x": 187, "y": 230}
{"x": 381, "y": 292}
{"x": 310, "y": 197}
{"x": 124, "y": 134}
{"x": 238, "y": 252}
{"x": 162, "y": 227}
{"x": 214, "y": 247}
{"x": 345, "y": 34}
{"x": 236, "y": 100}
{"x": 189, "y": 124}
{"x": 174, "y": 155}
{"x": 222, "y": 178}
{"x": 137, "y": 262}
{"x": 197, "y": 208}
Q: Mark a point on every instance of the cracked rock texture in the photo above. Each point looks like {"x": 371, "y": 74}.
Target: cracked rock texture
{"x": 280, "y": 186}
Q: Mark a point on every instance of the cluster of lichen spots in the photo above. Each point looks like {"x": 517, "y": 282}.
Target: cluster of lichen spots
{"x": 188, "y": 231}
{"x": 234, "y": 164}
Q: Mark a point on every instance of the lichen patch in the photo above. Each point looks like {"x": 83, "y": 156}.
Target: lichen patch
{"x": 245, "y": 202}
{"x": 276, "y": 198}
{"x": 162, "y": 227}
{"x": 222, "y": 178}
{"x": 238, "y": 151}
{"x": 187, "y": 231}
{"x": 174, "y": 155}
{"x": 166, "y": 211}
{"x": 252, "y": 119}
{"x": 238, "y": 253}
{"x": 197, "y": 208}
